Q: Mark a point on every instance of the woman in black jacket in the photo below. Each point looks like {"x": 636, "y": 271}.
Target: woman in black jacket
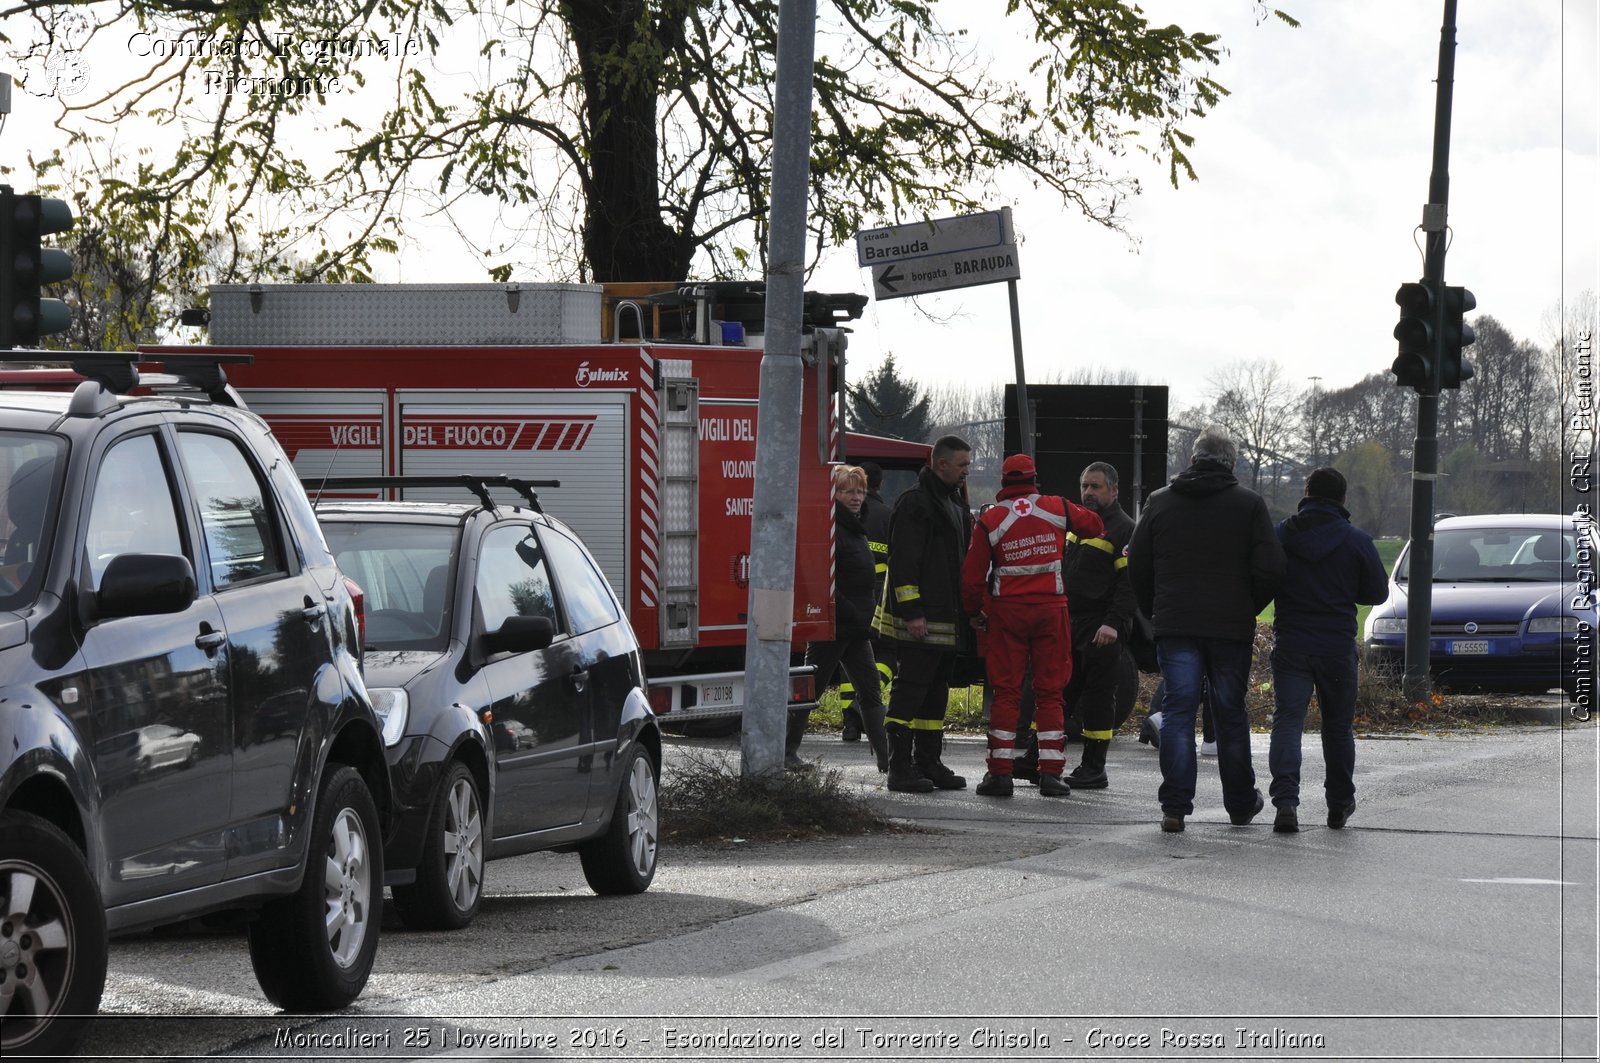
{"x": 854, "y": 582}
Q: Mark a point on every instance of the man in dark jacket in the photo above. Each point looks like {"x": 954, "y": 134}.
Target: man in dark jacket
{"x": 1333, "y": 566}
{"x": 1102, "y": 604}
{"x": 921, "y": 609}
{"x": 1204, "y": 561}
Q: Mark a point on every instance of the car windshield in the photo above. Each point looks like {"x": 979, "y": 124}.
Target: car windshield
{"x": 404, "y": 571}
{"x": 30, "y": 480}
{"x": 1499, "y": 555}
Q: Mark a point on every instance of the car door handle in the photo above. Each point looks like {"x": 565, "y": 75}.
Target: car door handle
{"x": 579, "y": 679}
{"x": 210, "y": 639}
{"x": 316, "y": 612}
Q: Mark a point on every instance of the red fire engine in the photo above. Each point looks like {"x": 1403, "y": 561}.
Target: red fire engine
{"x": 652, "y": 438}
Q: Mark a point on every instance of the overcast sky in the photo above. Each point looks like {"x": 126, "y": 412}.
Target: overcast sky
{"x": 1312, "y": 179}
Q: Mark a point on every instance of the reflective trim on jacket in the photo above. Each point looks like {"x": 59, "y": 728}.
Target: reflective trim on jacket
{"x": 1018, "y": 547}
{"x": 927, "y": 539}
{"x": 1098, "y": 588}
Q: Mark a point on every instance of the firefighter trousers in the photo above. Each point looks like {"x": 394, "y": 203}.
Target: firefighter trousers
{"x": 921, "y": 691}
{"x": 1024, "y": 634}
{"x": 1092, "y": 691}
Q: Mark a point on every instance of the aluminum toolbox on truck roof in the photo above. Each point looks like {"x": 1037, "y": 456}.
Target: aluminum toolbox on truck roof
{"x": 297, "y": 315}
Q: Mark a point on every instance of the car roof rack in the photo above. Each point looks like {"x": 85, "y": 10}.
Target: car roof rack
{"x": 110, "y": 373}
{"x": 478, "y": 485}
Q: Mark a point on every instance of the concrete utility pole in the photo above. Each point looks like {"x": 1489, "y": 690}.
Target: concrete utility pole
{"x": 1415, "y": 685}
{"x": 772, "y": 534}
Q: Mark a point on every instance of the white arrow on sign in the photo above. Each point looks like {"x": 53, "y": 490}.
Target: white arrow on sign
{"x": 937, "y": 273}
{"x": 940, "y": 236}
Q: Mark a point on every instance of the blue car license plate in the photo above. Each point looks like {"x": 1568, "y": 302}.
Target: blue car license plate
{"x": 1468, "y": 647}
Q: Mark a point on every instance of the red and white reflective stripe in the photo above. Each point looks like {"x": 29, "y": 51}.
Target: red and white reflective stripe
{"x": 649, "y": 476}
{"x": 833, "y": 588}
{"x": 1024, "y": 507}
{"x": 833, "y": 448}
{"x": 1028, "y": 570}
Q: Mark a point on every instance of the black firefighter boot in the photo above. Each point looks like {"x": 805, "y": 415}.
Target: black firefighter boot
{"x": 1091, "y": 773}
{"x": 904, "y": 775}
{"x": 928, "y": 745}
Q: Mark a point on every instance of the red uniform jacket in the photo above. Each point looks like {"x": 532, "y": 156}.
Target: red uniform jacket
{"x": 1018, "y": 545}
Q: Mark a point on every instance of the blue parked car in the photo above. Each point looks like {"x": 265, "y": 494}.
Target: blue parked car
{"x": 1513, "y": 605}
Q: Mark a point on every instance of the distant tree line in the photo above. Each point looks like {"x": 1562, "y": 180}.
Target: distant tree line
{"x": 1500, "y": 435}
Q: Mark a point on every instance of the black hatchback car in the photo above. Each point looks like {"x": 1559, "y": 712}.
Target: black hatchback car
{"x": 511, "y": 688}
{"x": 183, "y": 726}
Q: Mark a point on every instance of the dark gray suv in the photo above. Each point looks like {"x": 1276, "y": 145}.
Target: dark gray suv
{"x": 183, "y": 725}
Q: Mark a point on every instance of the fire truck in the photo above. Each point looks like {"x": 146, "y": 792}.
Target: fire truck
{"x": 640, "y": 400}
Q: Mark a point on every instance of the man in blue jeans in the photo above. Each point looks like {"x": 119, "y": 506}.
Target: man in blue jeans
{"x": 1203, "y": 562}
{"x": 1333, "y": 566}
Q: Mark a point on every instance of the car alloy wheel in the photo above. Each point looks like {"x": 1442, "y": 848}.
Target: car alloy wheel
{"x": 623, "y": 859}
{"x": 52, "y": 938}
{"x": 449, "y": 882}
{"x": 347, "y": 880}
{"x": 313, "y": 950}
{"x": 463, "y": 843}
{"x": 643, "y": 819}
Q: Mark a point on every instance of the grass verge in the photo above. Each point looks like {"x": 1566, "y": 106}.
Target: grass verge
{"x": 706, "y": 800}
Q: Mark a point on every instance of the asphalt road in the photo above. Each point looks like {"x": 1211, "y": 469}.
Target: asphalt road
{"x": 1455, "y": 918}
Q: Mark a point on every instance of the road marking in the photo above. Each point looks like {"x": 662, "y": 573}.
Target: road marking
{"x": 1522, "y": 881}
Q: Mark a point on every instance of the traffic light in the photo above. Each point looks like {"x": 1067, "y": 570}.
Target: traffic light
{"x": 1413, "y": 366}
{"x": 26, "y": 266}
{"x": 1453, "y": 366}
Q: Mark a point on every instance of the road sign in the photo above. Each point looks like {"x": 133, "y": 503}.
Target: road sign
{"x": 932, "y": 256}
{"x": 961, "y": 252}
{"x": 937, "y": 273}
{"x": 939, "y": 236}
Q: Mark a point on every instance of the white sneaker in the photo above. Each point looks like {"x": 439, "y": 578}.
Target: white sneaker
{"x": 1208, "y": 749}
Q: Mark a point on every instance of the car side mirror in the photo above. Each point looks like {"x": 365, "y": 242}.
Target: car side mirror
{"x": 519, "y": 634}
{"x": 145, "y": 585}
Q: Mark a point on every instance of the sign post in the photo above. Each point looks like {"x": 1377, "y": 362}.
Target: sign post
{"x": 944, "y": 253}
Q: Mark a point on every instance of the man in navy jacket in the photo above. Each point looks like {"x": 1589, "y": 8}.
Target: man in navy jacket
{"x": 1332, "y": 567}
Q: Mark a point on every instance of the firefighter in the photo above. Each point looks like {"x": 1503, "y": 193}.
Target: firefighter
{"x": 921, "y": 610}
{"x": 875, "y": 518}
{"x": 1013, "y": 584}
{"x": 1103, "y": 608}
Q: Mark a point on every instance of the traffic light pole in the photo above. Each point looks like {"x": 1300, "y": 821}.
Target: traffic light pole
{"x": 1425, "y": 454}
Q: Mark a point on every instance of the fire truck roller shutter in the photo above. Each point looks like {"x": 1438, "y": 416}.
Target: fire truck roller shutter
{"x": 577, "y": 438}
{"x": 334, "y": 432}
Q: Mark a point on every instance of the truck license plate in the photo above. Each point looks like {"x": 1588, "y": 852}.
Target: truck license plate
{"x": 1469, "y": 647}
{"x": 716, "y": 694}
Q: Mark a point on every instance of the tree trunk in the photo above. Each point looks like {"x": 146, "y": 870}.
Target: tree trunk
{"x": 624, "y": 236}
